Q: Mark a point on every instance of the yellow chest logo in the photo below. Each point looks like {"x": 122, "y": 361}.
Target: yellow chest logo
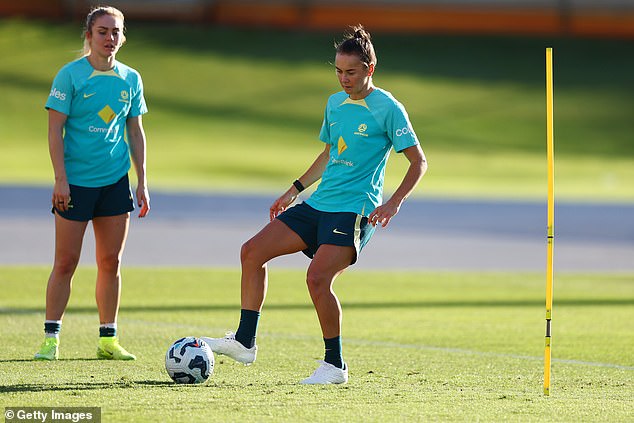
{"x": 341, "y": 146}
{"x": 107, "y": 114}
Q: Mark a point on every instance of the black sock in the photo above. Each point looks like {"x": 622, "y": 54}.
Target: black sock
{"x": 52, "y": 327}
{"x": 333, "y": 352}
{"x": 248, "y": 327}
{"x": 107, "y": 332}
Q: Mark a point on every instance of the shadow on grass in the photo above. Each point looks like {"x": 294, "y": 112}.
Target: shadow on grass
{"x": 590, "y": 302}
{"x": 485, "y": 58}
{"x": 179, "y": 105}
{"x": 34, "y": 387}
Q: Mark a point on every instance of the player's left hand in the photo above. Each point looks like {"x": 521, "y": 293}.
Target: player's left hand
{"x": 383, "y": 214}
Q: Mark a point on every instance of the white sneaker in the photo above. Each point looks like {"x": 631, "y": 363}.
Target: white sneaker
{"x": 231, "y": 348}
{"x": 326, "y": 374}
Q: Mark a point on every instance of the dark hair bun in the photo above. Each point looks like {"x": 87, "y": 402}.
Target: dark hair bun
{"x": 360, "y": 33}
{"x": 357, "y": 41}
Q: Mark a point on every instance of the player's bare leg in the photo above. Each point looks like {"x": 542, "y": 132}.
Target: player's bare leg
{"x": 110, "y": 236}
{"x": 69, "y": 235}
{"x": 274, "y": 240}
{"x": 329, "y": 262}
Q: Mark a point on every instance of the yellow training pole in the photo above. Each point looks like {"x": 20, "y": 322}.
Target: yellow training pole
{"x": 551, "y": 213}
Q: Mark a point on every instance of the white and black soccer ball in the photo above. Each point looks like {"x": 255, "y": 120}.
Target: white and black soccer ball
{"x": 189, "y": 360}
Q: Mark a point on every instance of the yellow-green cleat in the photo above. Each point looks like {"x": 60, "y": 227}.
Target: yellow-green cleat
{"x": 109, "y": 349}
{"x": 49, "y": 350}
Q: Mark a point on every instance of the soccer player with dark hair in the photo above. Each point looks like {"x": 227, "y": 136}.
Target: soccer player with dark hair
{"x": 361, "y": 125}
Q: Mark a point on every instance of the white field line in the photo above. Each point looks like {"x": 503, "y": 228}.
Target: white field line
{"x": 215, "y": 331}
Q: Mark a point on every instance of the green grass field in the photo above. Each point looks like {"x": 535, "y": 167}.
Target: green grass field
{"x": 420, "y": 347}
{"x": 241, "y": 109}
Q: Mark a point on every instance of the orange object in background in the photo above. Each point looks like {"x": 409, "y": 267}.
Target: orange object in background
{"x": 521, "y": 17}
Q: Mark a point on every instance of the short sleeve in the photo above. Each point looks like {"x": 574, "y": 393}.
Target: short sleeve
{"x": 400, "y": 129}
{"x": 137, "y": 105}
{"x": 324, "y": 134}
{"x": 61, "y": 94}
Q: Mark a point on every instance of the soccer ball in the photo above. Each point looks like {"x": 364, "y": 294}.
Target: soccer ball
{"x": 189, "y": 360}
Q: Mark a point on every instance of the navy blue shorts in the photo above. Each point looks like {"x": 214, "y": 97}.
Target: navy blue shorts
{"x": 345, "y": 229}
{"x": 87, "y": 203}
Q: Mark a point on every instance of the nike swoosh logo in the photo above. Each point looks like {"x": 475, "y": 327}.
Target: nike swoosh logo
{"x": 334, "y": 123}
{"x": 89, "y": 95}
{"x": 337, "y": 231}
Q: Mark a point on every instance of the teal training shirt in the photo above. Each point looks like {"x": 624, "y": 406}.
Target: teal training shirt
{"x": 361, "y": 134}
{"x": 97, "y": 105}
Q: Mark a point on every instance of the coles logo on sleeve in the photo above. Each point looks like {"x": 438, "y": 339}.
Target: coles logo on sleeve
{"x": 57, "y": 94}
{"x": 403, "y": 131}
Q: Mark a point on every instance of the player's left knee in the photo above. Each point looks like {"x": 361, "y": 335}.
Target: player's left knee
{"x": 318, "y": 283}
{"x": 109, "y": 263}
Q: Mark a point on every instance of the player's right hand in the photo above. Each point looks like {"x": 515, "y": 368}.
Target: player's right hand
{"x": 281, "y": 204}
{"x": 61, "y": 195}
